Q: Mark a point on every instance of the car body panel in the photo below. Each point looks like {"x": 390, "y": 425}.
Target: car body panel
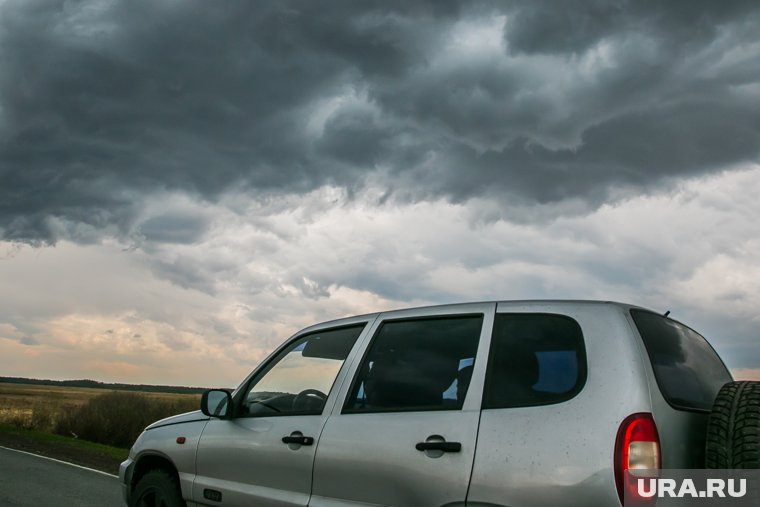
{"x": 360, "y": 454}
{"x": 245, "y": 459}
{"x": 161, "y": 441}
{"x": 188, "y": 417}
{"x": 563, "y": 453}
{"x": 682, "y": 432}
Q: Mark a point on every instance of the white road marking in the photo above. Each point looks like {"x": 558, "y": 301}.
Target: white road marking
{"x": 60, "y": 461}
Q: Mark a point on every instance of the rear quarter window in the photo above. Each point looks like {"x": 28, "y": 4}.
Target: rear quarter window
{"x": 688, "y": 372}
{"x": 535, "y": 359}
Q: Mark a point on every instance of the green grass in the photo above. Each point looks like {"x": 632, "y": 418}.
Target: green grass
{"x": 49, "y": 439}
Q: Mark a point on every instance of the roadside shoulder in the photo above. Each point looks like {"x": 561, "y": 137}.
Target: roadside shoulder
{"x": 86, "y": 454}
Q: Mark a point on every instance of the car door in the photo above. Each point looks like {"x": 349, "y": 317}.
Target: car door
{"x": 264, "y": 454}
{"x": 405, "y": 432}
{"x": 536, "y": 446}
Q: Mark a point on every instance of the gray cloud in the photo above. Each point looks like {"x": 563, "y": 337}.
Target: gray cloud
{"x": 102, "y": 103}
{"x": 541, "y": 27}
{"x": 173, "y": 228}
{"x": 28, "y": 340}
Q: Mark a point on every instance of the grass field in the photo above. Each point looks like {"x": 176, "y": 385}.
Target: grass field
{"x": 40, "y": 408}
{"x": 89, "y": 426}
{"x": 109, "y": 417}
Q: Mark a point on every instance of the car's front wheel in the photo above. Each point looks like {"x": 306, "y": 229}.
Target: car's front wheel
{"x": 157, "y": 488}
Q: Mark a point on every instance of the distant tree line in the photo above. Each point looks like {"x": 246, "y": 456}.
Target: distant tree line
{"x": 104, "y": 385}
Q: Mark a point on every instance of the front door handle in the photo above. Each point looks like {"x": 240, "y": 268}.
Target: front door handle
{"x": 439, "y": 446}
{"x": 298, "y": 438}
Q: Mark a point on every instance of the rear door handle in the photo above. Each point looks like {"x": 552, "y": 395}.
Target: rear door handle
{"x": 298, "y": 438}
{"x": 439, "y": 446}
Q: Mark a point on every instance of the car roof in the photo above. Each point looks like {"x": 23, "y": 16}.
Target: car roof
{"x": 501, "y": 303}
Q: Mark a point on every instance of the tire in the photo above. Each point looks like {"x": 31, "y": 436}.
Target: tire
{"x": 733, "y": 428}
{"x": 157, "y": 488}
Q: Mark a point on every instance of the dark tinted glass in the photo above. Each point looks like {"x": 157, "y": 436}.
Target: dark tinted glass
{"x": 421, "y": 364}
{"x": 535, "y": 359}
{"x": 688, "y": 371}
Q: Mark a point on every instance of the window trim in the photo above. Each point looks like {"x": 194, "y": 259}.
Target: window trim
{"x": 275, "y": 357}
{"x": 345, "y": 410}
{"x": 582, "y": 366}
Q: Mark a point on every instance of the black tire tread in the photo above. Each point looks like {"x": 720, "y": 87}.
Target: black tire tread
{"x": 733, "y": 428}
{"x": 158, "y": 476}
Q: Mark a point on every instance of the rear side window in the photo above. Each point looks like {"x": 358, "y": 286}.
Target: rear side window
{"x": 688, "y": 371}
{"x": 420, "y": 364}
{"x": 535, "y": 359}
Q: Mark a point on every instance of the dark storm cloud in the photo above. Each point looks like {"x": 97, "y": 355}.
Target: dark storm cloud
{"x": 173, "y": 228}
{"x": 104, "y": 103}
{"x": 541, "y": 27}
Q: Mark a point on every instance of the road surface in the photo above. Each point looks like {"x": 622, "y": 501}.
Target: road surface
{"x": 32, "y": 481}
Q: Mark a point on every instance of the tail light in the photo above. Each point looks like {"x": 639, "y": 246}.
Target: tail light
{"x": 637, "y": 449}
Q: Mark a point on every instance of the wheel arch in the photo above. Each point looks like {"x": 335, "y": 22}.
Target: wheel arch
{"x": 146, "y": 462}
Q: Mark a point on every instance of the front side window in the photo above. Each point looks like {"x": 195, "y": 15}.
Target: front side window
{"x": 535, "y": 359}
{"x": 299, "y": 379}
{"x": 420, "y": 364}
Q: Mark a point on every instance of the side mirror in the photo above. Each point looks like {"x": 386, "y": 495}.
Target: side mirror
{"x": 217, "y": 403}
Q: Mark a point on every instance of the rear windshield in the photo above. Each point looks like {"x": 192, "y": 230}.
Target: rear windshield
{"x": 688, "y": 371}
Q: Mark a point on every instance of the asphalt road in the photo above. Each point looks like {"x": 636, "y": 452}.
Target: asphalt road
{"x": 28, "y": 480}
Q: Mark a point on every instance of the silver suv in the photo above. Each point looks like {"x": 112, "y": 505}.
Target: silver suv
{"x": 517, "y": 403}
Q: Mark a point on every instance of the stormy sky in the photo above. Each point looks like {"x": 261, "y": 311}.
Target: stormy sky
{"x": 183, "y": 184}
